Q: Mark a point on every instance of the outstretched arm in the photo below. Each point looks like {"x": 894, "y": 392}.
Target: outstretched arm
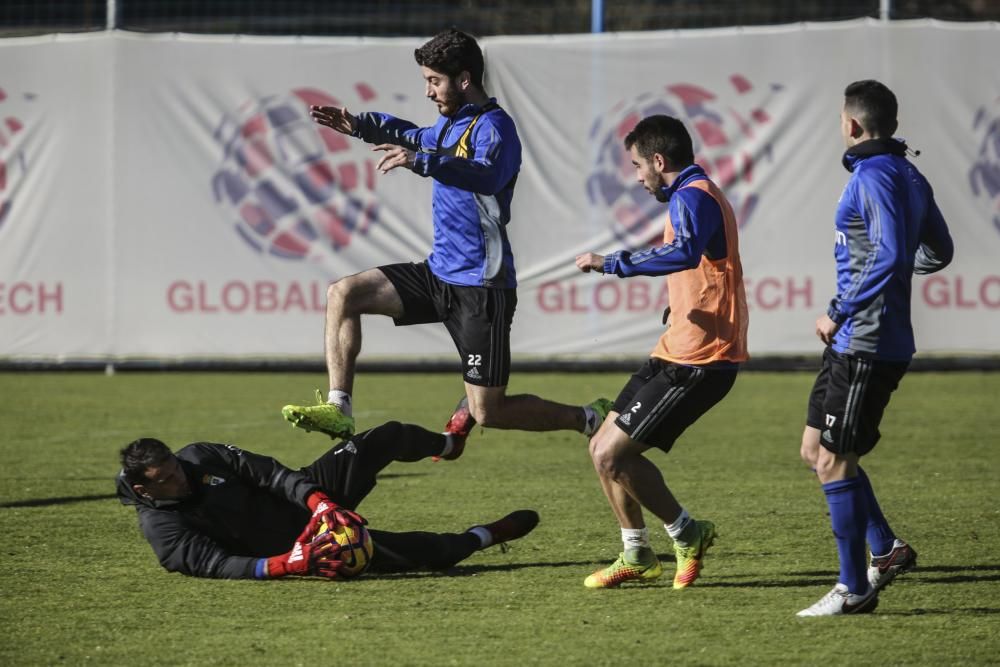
{"x": 494, "y": 164}
{"x": 695, "y": 218}
{"x": 372, "y": 127}
{"x": 181, "y": 549}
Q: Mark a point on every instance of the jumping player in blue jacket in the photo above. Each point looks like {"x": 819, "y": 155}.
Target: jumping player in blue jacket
{"x": 888, "y": 227}
{"x": 468, "y": 282}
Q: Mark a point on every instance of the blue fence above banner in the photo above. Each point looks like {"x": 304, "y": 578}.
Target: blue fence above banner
{"x": 417, "y": 18}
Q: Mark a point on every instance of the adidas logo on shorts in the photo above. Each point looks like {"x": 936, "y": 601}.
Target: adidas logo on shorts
{"x": 626, "y": 418}
{"x": 473, "y": 374}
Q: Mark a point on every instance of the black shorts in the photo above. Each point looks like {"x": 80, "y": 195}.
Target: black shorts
{"x": 662, "y": 399}
{"x": 478, "y": 318}
{"x": 849, "y": 398}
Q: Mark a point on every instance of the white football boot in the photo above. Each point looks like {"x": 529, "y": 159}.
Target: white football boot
{"x": 840, "y": 601}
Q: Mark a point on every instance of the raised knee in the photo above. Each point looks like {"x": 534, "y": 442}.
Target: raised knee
{"x": 604, "y": 458}
{"x": 339, "y": 290}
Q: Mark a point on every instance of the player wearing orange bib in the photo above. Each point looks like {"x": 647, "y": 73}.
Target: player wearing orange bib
{"x": 694, "y": 363}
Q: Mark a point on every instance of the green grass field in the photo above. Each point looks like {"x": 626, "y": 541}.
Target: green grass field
{"x": 79, "y": 585}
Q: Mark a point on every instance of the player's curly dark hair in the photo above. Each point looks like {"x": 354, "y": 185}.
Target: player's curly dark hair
{"x": 141, "y": 454}
{"x": 452, "y": 52}
{"x": 664, "y": 135}
{"x": 874, "y": 106}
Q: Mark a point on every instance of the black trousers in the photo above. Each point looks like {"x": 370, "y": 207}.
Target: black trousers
{"x": 347, "y": 473}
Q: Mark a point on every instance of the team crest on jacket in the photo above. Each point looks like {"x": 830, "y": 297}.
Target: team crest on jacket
{"x": 729, "y": 126}
{"x": 212, "y": 480}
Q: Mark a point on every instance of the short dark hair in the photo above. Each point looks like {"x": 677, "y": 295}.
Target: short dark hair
{"x": 873, "y": 105}
{"x": 664, "y": 135}
{"x": 139, "y": 455}
{"x": 452, "y": 52}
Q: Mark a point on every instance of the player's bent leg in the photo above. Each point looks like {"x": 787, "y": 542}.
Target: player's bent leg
{"x": 440, "y": 551}
{"x": 396, "y": 441}
{"x": 348, "y": 471}
{"x": 368, "y": 292}
{"x": 620, "y": 459}
{"x": 420, "y": 550}
{"x": 492, "y": 407}
{"x": 637, "y": 563}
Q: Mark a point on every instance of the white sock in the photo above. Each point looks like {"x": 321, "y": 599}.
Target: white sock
{"x": 449, "y": 444}
{"x": 677, "y": 527}
{"x": 591, "y": 421}
{"x": 484, "y": 535}
{"x": 634, "y": 538}
{"x": 341, "y": 399}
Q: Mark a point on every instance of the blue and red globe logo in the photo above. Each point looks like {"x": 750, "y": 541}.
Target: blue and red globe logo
{"x": 292, "y": 188}
{"x": 984, "y": 177}
{"x": 13, "y": 164}
{"x": 728, "y": 130}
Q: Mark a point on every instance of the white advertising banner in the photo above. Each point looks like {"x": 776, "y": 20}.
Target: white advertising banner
{"x": 169, "y": 197}
{"x": 55, "y": 180}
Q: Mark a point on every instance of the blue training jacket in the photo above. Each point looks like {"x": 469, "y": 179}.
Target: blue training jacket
{"x": 698, "y": 230}
{"x": 474, "y": 158}
{"x": 888, "y": 228}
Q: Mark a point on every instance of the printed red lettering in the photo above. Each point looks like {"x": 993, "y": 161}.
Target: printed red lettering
{"x": 604, "y": 304}
{"x": 265, "y": 296}
{"x": 17, "y": 305}
{"x": 235, "y": 297}
{"x": 179, "y": 297}
{"x": 294, "y": 298}
{"x": 203, "y": 304}
{"x": 936, "y": 292}
{"x": 55, "y": 296}
{"x": 550, "y": 297}
{"x": 760, "y": 294}
{"x": 985, "y": 287}
{"x": 637, "y": 297}
{"x": 960, "y": 300}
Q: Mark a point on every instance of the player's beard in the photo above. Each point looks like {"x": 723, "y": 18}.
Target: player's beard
{"x": 449, "y": 103}
{"x": 656, "y": 189}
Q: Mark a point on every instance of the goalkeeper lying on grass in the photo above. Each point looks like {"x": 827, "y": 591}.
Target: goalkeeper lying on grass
{"x": 213, "y": 510}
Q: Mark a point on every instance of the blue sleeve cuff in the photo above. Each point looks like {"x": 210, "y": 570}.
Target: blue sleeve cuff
{"x": 834, "y": 314}
{"x": 421, "y": 163}
{"x": 260, "y": 570}
{"x": 609, "y": 262}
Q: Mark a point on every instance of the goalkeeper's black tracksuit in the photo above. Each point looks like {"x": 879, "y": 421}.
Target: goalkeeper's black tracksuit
{"x": 245, "y": 506}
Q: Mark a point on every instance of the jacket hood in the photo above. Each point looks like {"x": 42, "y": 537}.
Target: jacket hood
{"x": 859, "y": 152}
{"x": 126, "y": 494}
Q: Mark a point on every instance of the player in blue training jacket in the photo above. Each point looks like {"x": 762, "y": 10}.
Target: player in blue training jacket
{"x": 888, "y": 228}
{"x": 468, "y": 281}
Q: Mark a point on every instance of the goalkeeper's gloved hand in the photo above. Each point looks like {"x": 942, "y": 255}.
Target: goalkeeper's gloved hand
{"x": 294, "y": 563}
{"x": 325, "y": 510}
{"x": 325, "y": 556}
{"x": 319, "y": 557}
